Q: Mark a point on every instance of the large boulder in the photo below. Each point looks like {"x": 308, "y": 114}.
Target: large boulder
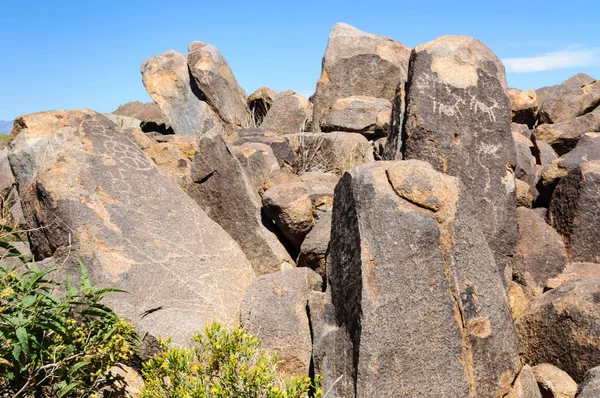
{"x": 258, "y": 162}
{"x": 313, "y": 251}
{"x": 575, "y": 271}
{"x": 281, "y": 147}
{"x": 368, "y": 116}
{"x": 572, "y": 98}
{"x": 221, "y": 188}
{"x": 333, "y": 152}
{"x": 523, "y": 106}
{"x": 458, "y": 119}
{"x": 554, "y": 382}
{"x": 167, "y": 80}
{"x": 275, "y": 311}
{"x": 564, "y": 136}
{"x": 217, "y": 85}
{"x": 173, "y": 160}
{"x": 575, "y": 212}
{"x": 408, "y": 264}
{"x": 525, "y": 386}
{"x": 540, "y": 253}
{"x": 289, "y": 113}
{"x": 560, "y": 328}
{"x": 90, "y": 192}
{"x": 358, "y": 63}
{"x": 590, "y": 386}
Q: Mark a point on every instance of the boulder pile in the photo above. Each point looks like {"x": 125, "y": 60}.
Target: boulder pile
{"x": 415, "y": 228}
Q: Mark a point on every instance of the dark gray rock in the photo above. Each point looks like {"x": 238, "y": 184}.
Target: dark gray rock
{"x": 290, "y": 113}
{"x": 525, "y": 168}
{"x": 590, "y": 386}
{"x": 543, "y": 152}
{"x": 564, "y": 136}
{"x": 87, "y": 189}
{"x": 358, "y": 63}
{"x": 257, "y": 161}
{"x": 408, "y": 259}
{"x": 275, "y": 311}
{"x": 217, "y": 85}
{"x": 313, "y": 251}
{"x": 366, "y": 115}
{"x": 259, "y": 103}
{"x": 281, "y": 147}
{"x": 574, "y": 97}
{"x": 221, "y": 188}
{"x": 575, "y": 212}
{"x": 560, "y": 328}
{"x": 458, "y": 119}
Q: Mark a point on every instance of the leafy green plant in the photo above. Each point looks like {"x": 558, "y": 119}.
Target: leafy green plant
{"x": 221, "y": 364}
{"x": 56, "y": 346}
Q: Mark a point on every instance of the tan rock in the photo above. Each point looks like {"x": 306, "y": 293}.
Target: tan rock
{"x": 290, "y": 113}
{"x": 554, "y": 382}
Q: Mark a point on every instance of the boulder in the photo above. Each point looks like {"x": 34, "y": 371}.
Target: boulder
{"x": 281, "y": 147}
{"x": 540, "y": 252}
{"x": 543, "y": 152}
{"x": 588, "y": 148}
{"x": 525, "y": 195}
{"x": 522, "y": 129}
{"x": 221, "y": 188}
{"x": 293, "y": 207}
{"x": 259, "y": 103}
{"x": 564, "y": 136}
{"x": 525, "y": 168}
{"x": 172, "y": 162}
{"x": 216, "y": 84}
{"x": 148, "y": 114}
{"x": 290, "y": 113}
{"x": 121, "y": 381}
{"x": 429, "y": 277}
{"x": 525, "y": 386}
{"x": 559, "y": 328}
{"x": 257, "y": 161}
{"x": 523, "y": 106}
{"x": 123, "y": 122}
{"x": 554, "y": 382}
{"x": 167, "y": 80}
{"x": 575, "y": 271}
{"x": 90, "y": 191}
{"x": 368, "y": 116}
{"x": 275, "y": 311}
{"x": 329, "y": 152}
{"x": 574, "y": 97}
{"x": 313, "y": 251}
{"x": 575, "y": 212}
{"x": 358, "y": 63}
{"x": 7, "y": 180}
{"x": 458, "y": 119}
{"x": 590, "y": 386}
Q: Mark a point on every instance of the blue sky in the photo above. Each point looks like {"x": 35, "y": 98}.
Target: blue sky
{"x": 65, "y": 54}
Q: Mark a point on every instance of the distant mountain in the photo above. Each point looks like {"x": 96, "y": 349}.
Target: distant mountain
{"x": 5, "y": 127}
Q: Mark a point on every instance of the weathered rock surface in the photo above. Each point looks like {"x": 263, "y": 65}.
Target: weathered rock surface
{"x": 293, "y": 207}
{"x": 554, "y": 382}
{"x": 89, "y": 190}
{"x": 525, "y": 168}
{"x": 458, "y": 119}
{"x": 564, "y": 136}
{"x": 275, "y": 311}
{"x": 525, "y": 385}
{"x": 359, "y": 63}
{"x": 590, "y": 386}
{"x": 313, "y": 251}
{"x": 167, "y": 80}
{"x": 543, "y": 152}
{"x": 149, "y": 114}
{"x": 575, "y": 271}
{"x": 290, "y": 113}
{"x": 559, "y": 328}
{"x": 540, "y": 252}
{"x": 329, "y": 152}
{"x": 259, "y": 103}
{"x": 525, "y": 194}
{"x": 221, "y": 188}
{"x": 368, "y": 116}
{"x": 258, "y": 162}
{"x": 217, "y": 85}
{"x": 174, "y": 161}
{"x": 572, "y": 98}
{"x": 122, "y": 381}
{"x": 588, "y": 148}
{"x": 281, "y": 147}
{"x": 522, "y": 129}
{"x": 523, "y": 106}
{"x": 391, "y": 219}
{"x": 575, "y": 212}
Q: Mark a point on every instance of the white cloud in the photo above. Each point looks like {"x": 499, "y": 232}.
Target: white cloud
{"x": 553, "y": 60}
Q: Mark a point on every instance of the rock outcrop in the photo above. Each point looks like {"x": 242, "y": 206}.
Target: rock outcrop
{"x": 407, "y": 259}
{"x": 574, "y": 97}
{"x": 90, "y": 192}
{"x": 289, "y": 113}
{"x": 457, "y": 81}
{"x": 358, "y": 63}
{"x": 368, "y": 116}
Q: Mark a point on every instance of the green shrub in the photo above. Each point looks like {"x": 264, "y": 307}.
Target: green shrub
{"x": 222, "y": 364}
{"x": 51, "y": 346}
